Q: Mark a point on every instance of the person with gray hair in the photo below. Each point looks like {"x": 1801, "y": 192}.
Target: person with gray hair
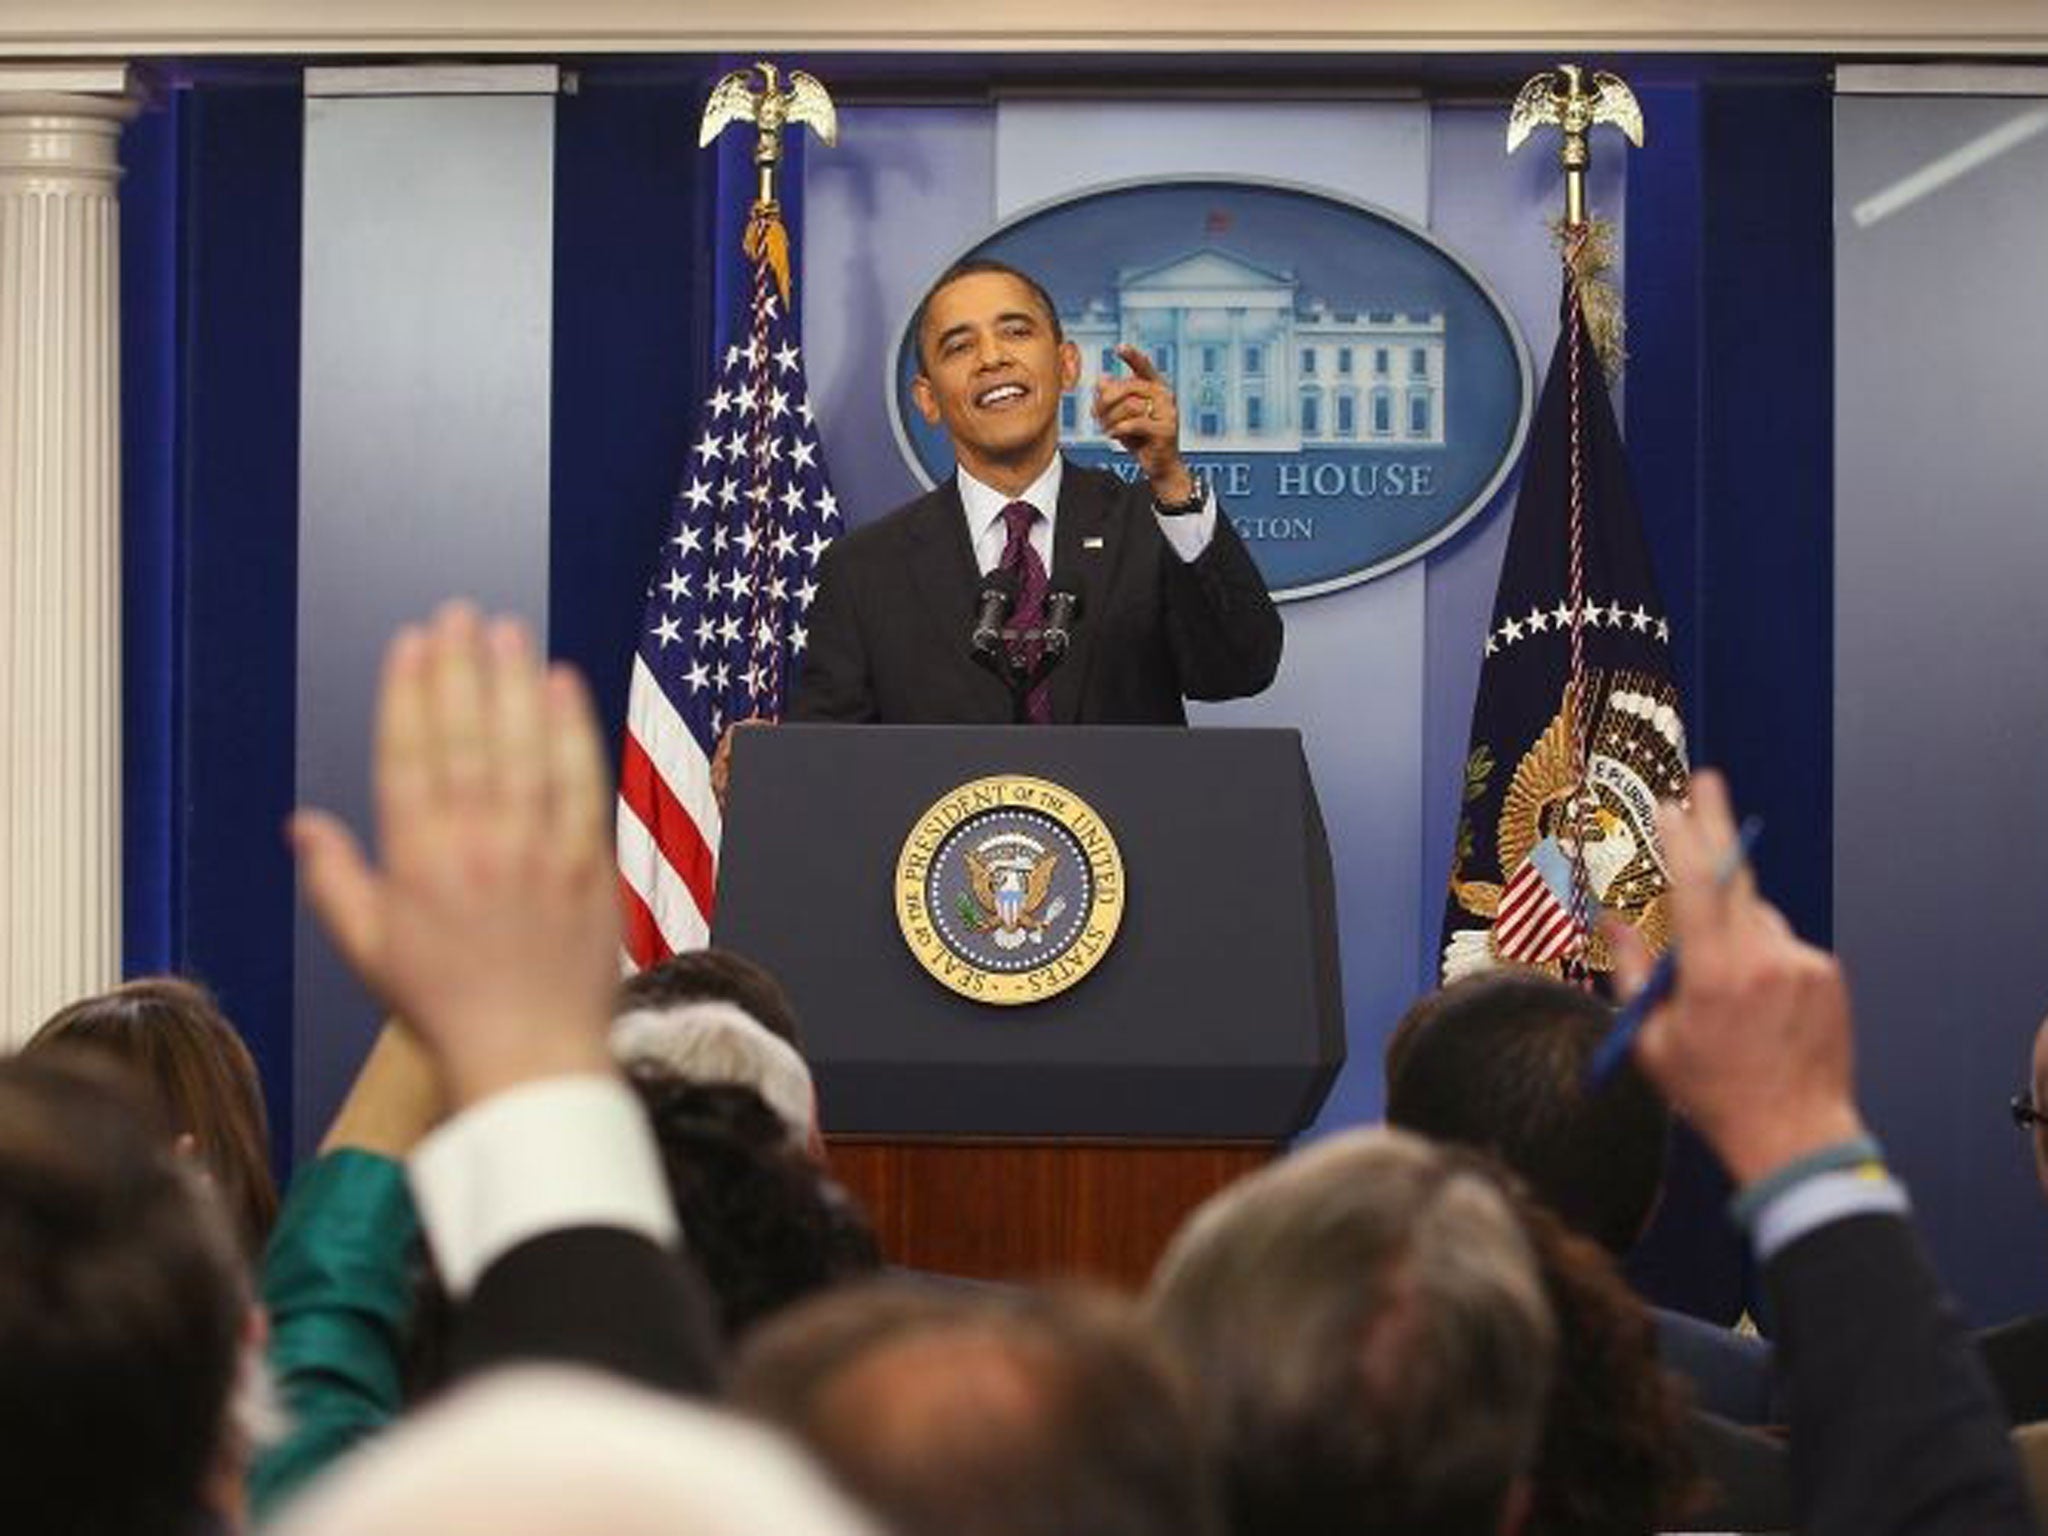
{"x": 1373, "y": 1349}
{"x": 548, "y": 1451}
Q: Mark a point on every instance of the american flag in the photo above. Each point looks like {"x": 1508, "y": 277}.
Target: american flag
{"x": 724, "y": 628}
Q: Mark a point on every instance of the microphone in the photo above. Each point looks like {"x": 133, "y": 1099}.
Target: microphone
{"x": 1062, "y": 609}
{"x": 994, "y": 599}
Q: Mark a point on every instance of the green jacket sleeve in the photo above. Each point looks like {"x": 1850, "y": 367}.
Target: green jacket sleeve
{"x": 337, "y": 1285}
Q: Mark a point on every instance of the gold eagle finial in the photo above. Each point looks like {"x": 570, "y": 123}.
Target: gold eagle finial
{"x": 805, "y": 103}
{"x": 1560, "y": 96}
{"x": 770, "y": 109}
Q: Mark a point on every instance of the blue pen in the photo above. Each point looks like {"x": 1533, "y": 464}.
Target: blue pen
{"x": 1621, "y": 1034}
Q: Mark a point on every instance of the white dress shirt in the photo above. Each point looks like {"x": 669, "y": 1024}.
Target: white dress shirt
{"x": 557, "y": 1152}
{"x": 1189, "y": 532}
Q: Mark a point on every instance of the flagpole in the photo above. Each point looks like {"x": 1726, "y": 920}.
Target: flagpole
{"x": 770, "y": 110}
{"x": 1577, "y": 731}
{"x": 1562, "y": 98}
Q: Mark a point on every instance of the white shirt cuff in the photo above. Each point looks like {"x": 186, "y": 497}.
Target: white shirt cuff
{"x": 561, "y": 1152}
{"x": 1819, "y": 1201}
{"x": 1190, "y": 532}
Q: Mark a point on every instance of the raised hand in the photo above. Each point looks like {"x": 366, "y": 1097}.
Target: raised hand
{"x": 1754, "y": 1044}
{"x": 1140, "y": 413}
{"x": 492, "y": 924}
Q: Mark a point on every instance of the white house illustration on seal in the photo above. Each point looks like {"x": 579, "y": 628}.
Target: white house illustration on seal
{"x": 1259, "y": 366}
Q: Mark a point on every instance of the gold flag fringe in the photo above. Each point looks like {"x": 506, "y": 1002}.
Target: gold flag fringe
{"x": 766, "y": 240}
{"x": 1588, "y": 249}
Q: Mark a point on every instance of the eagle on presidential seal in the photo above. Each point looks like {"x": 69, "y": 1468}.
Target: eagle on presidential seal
{"x": 1555, "y": 821}
{"x": 1009, "y": 896}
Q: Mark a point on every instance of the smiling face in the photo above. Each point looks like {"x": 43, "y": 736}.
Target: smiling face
{"x": 994, "y": 369}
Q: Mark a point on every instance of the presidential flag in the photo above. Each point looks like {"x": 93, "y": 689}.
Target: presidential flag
{"x": 1576, "y": 732}
{"x": 723, "y": 633}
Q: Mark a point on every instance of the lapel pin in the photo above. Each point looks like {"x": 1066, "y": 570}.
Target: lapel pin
{"x": 1094, "y": 543}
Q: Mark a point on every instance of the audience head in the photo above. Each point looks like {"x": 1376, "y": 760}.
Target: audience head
{"x": 714, "y": 976}
{"x": 763, "y": 1222}
{"x": 173, "y": 1036}
{"x": 550, "y": 1451}
{"x": 717, "y": 1017}
{"x": 1498, "y": 1062}
{"x": 122, "y": 1312}
{"x": 1373, "y": 1348}
{"x": 977, "y": 1412}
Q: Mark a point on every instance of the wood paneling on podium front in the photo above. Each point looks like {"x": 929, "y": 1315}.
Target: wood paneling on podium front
{"x": 1024, "y": 1210}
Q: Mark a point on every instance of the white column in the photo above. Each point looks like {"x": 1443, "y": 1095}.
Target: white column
{"x": 60, "y": 531}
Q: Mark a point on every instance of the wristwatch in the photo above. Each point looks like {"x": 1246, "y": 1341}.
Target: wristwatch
{"x": 1194, "y": 503}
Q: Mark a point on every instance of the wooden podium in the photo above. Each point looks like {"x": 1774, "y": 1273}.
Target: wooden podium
{"x": 1018, "y": 1209}
{"x": 1071, "y": 1135}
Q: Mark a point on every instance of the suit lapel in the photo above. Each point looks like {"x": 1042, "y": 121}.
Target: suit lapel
{"x": 942, "y": 566}
{"x": 1087, "y": 544}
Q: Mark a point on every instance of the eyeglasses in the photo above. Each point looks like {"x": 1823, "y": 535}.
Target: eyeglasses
{"x": 2024, "y": 1114}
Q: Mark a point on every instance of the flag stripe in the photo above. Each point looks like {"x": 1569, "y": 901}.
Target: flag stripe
{"x": 1555, "y": 936}
{"x": 1532, "y": 925}
{"x": 682, "y": 922}
{"x": 644, "y": 943}
{"x": 674, "y": 830}
{"x": 1521, "y": 904}
{"x": 667, "y": 739}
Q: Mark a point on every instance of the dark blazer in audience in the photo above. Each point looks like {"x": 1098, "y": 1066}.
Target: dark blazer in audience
{"x": 1889, "y": 1401}
{"x": 596, "y": 1296}
{"x": 1749, "y": 1472}
{"x": 2016, "y": 1355}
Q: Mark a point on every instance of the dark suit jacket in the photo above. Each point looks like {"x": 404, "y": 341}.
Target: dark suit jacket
{"x": 1748, "y": 1472}
{"x": 888, "y": 631}
{"x": 1895, "y": 1428}
{"x": 593, "y": 1296}
{"x": 2016, "y": 1354}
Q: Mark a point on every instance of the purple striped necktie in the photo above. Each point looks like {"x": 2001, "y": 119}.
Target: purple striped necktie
{"x": 1032, "y": 582}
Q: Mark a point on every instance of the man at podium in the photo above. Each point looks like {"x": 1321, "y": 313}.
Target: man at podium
{"x": 1113, "y": 601}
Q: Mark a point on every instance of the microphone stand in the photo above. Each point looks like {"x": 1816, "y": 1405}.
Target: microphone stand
{"x": 1047, "y": 643}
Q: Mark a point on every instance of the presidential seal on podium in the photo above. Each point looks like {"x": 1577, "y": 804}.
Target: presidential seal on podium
{"x": 1009, "y": 889}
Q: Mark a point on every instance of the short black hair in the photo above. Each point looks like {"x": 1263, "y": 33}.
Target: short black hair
{"x": 121, "y": 1316}
{"x": 715, "y": 975}
{"x": 764, "y": 1224}
{"x": 763, "y": 1221}
{"x": 1498, "y": 1062}
{"x": 973, "y": 266}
